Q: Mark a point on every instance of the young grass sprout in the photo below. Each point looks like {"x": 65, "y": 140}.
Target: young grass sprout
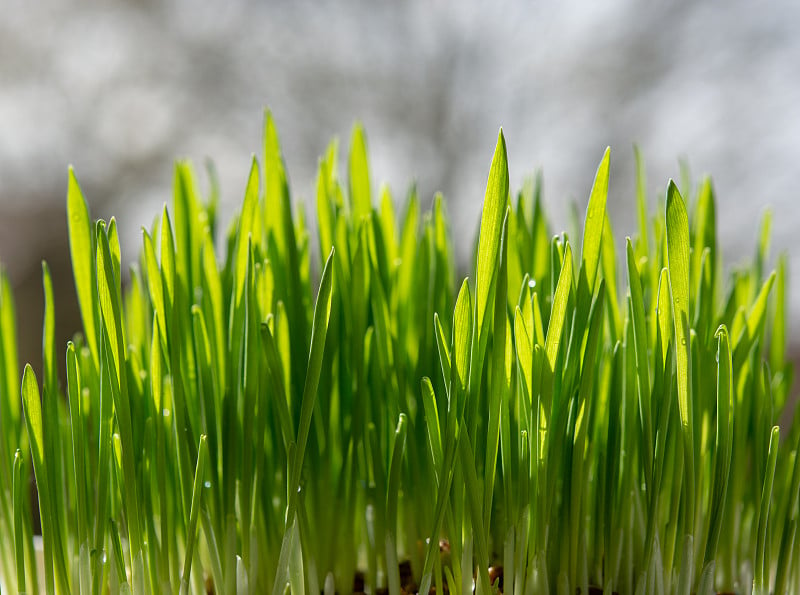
{"x": 559, "y": 422}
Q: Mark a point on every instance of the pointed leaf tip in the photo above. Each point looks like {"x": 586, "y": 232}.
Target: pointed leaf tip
{"x": 595, "y": 220}
{"x": 494, "y": 208}
{"x": 672, "y": 191}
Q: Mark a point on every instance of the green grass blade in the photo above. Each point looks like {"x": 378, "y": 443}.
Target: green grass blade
{"x": 755, "y": 323}
{"x": 322, "y": 311}
{"x": 187, "y": 229}
{"x": 432, "y": 421}
{"x": 443, "y": 349}
{"x": 9, "y": 366}
{"x": 32, "y": 408}
{"x": 462, "y": 341}
{"x": 641, "y": 201}
{"x": 498, "y": 376}
{"x": 81, "y": 249}
{"x": 392, "y": 492}
{"x": 191, "y": 530}
{"x": 156, "y": 287}
{"x": 524, "y": 353}
{"x": 214, "y": 312}
{"x": 494, "y": 207}
{"x": 678, "y": 258}
{"x": 118, "y": 580}
{"x": 275, "y": 376}
{"x": 286, "y": 261}
{"x": 761, "y": 569}
{"x": 359, "y": 175}
{"x": 50, "y": 412}
{"x": 49, "y": 335}
{"x": 777, "y": 348}
{"x": 558, "y": 315}
{"x": 705, "y": 233}
{"x": 319, "y": 331}
{"x": 642, "y": 359}
{"x": 108, "y": 291}
{"x": 724, "y": 441}
{"x": 103, "y": 468}
{"x": 595, "y": 221}
{"x": 246, "y": 227}
{"x": 76, "y": 407}
{"x": 472, "y": 489}
{"x": 18, "y": 489}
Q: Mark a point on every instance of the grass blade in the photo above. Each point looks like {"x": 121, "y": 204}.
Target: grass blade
{"x": 494, "y": 207}
{"x": 359, "y": 175}
{"x": 32, "y": 408}
{"x": 595, "y": 221}
{"x": 19, "y": 528}
{"x": 724, "y": 441}
{"x": 81, "y": 248}
{"x": 761, "y": 571}
{"x": 191, "y": 530}
{"x": 678, "y": 259}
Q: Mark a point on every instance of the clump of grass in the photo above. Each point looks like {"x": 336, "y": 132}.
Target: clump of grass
{"x": 251, "y": 426}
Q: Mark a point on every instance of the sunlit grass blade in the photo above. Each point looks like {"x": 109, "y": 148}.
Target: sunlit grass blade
{"x": 359, "y": 175}
{"x": 642, "y": 359}
{"x": 32, "y": 408}
{"x": 494, "y": 206}
{"x": 472, "y": 490}
{"x": 322, "y": 312}
{"x": 432, "y": 421}
{"x": 724, "y": 441}
{"x": 191, "y": 530}
{"x": 678, "y": 259}
{"x": 76, "y": 408}
{"x": 595, "y": 221}
{"x": 761, "y": 571}
{"x": 393, "y": 489}
{"x": 19, "y": 528}
{"x": 498, "y": 376}
{"x": 82, "y": 252}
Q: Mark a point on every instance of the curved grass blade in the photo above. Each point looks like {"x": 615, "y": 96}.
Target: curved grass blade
{"x": 392, "y": 491}
{"x": 432, "y": 421}
{"x": 443, "y": 349}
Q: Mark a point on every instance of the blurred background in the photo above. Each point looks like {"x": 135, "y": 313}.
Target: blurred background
{"x": 120, "y": 90}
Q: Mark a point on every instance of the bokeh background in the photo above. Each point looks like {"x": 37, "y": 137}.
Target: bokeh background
{"x": 121, "y": 89}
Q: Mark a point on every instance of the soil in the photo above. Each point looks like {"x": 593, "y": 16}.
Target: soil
{"x": 409, "y": 587}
